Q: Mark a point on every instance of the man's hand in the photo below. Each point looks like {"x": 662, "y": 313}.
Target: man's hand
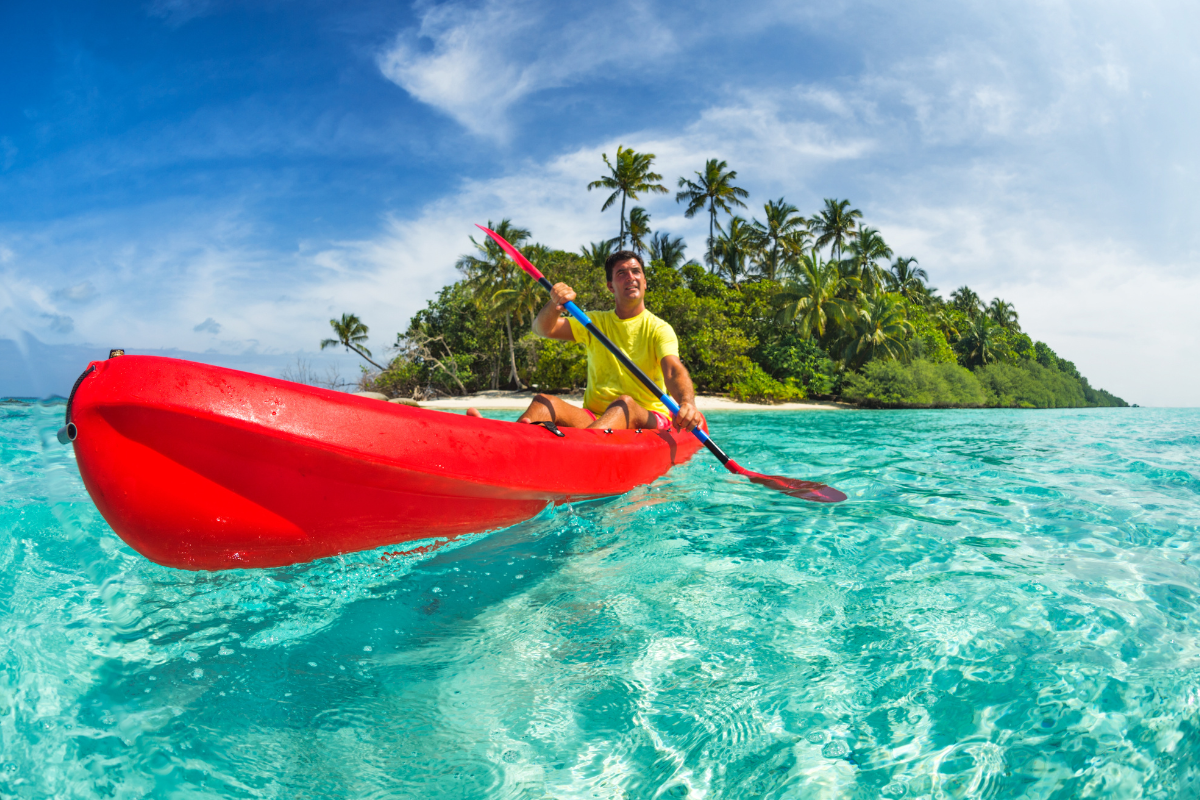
{"x": 548, "y": 323}
{"x": 679, "y": 384}
{"x": 688, "y": 418}
{"x": 561, "y": 294}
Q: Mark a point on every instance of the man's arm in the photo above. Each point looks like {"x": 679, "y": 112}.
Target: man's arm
{"x": 548, "y": 323}
{"x": 679, "y": 384}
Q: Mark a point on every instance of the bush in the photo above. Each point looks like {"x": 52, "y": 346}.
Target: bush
{"x": 929, "y": 343}
{"x": 756, "y": 386}
{"x": 560, "y": 365}
{"x": 400, "y": 379}
{"x": 1031, "y": 385}
{"x": 711, "y": 346}
{"x": 890, "y": 384}
{"x": 792, "y": 357}
{"x": 919, "y": 384}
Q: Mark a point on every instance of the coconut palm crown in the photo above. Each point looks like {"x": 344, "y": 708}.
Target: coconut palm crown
{"x": 1003, "y": 314}
{"x": 639, "y": 229}
{"x": 714, "y": 189}
{"x": 351, "y": 333}
{"x": 867, "y": 249}
{"x": 834, "y": 224}
{"x": 668, "y": 250}
{"x": 781, "y": 238}
{"x": 629, "y": 174}
{"x": 908, "y": 281}
{"x": 965, "y": 300}
{"x": 492, "y": 275}
{"x": 812, "y": 300}
{"x": 734, "y": 249}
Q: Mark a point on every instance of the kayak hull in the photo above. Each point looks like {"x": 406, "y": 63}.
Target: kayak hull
{"x": 200, "y": 467}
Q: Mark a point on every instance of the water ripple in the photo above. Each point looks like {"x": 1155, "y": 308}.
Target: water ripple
{"x": 1006, "y": 606}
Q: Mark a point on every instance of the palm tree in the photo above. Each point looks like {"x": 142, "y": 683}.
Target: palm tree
{"x": 598, "y": 252}
{"x": 490, "y": 272}
{"x": 1004, "y": 315}
{"x": 714, "y": 188}
{"x": 667, "y": 250}
{"x": 966, "y": 301}
{"x": 908, "y": 281}
{"x": 879, "y": 330}
{"x": 943, "y": 320}
{"x": 981, "y": 342}
{"x": 834, "y": 224}
{"x": 639, "y": 229}
{"x": 629, "y": 176}
{"x": 781, "y": 238}
{"x": 867, "y": 249}
{"x": 524, "y": 299}
{"x": 812, "y": 299}
{"x": 734, "y": 248}
{"x": 351, "y": 333}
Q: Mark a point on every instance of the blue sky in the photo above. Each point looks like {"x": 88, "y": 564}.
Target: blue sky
{"x": 220, "y": 178}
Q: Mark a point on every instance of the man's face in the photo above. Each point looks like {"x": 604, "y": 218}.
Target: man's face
{"x": 628, "y": 281}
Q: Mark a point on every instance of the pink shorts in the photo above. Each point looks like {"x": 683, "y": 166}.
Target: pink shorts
{"x": 662, "y": 421}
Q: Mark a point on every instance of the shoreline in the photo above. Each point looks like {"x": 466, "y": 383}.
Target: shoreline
{"x": 510, "y": 400}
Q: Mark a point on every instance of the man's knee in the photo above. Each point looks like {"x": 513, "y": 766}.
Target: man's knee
{"x": 624, "y": 401}
{"x": 540, "y": 407}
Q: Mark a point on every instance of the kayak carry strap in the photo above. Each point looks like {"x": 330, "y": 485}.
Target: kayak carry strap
{"x": 550, "y": 426}
{"x": 68, "y": 432}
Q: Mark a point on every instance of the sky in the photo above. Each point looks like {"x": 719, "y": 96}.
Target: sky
{"x": 217, "y": 179}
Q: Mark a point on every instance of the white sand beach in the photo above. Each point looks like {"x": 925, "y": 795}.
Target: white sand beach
{"x": 519, "y": 400}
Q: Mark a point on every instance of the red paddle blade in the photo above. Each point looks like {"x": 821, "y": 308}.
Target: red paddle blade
{"x": 513, "y": 253}
{"x": 805, "y": 490}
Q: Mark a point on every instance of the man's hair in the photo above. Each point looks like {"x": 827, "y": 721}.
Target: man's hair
{"x": 617, "y": 258}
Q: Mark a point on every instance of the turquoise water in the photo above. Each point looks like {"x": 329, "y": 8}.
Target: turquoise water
{"x": 1006, "y": 607}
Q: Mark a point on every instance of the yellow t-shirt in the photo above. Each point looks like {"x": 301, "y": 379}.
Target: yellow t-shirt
{"x": 646, "y": 339}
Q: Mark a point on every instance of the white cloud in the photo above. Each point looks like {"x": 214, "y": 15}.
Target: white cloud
{"x": 474, "y": 63}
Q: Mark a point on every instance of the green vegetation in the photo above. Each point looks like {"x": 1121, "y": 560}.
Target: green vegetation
{"x": 787, "y": 308}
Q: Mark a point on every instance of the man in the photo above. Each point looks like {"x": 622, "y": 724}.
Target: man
{"x": 614, "y": 397}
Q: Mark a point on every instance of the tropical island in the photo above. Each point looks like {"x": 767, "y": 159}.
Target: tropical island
{"x": 782, "y": 309}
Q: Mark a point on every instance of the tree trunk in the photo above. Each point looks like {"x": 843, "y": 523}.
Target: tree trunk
{"x": 621, "y": 246}
{"x": 366, "y": 358}
{"x": 712, "y": 220}
{"x": 512, "y": 352}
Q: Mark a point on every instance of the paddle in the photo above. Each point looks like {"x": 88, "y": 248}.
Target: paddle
{"x": 805, "y": 490}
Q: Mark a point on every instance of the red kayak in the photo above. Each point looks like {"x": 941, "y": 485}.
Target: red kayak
{"x": 199, "y": 467}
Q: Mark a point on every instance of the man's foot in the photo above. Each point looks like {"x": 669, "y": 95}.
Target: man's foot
{"x": 474, "y": 412}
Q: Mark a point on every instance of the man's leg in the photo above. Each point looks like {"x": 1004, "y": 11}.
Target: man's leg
{"x": 547, "y": 407}
{"x": 625, "y": 412}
